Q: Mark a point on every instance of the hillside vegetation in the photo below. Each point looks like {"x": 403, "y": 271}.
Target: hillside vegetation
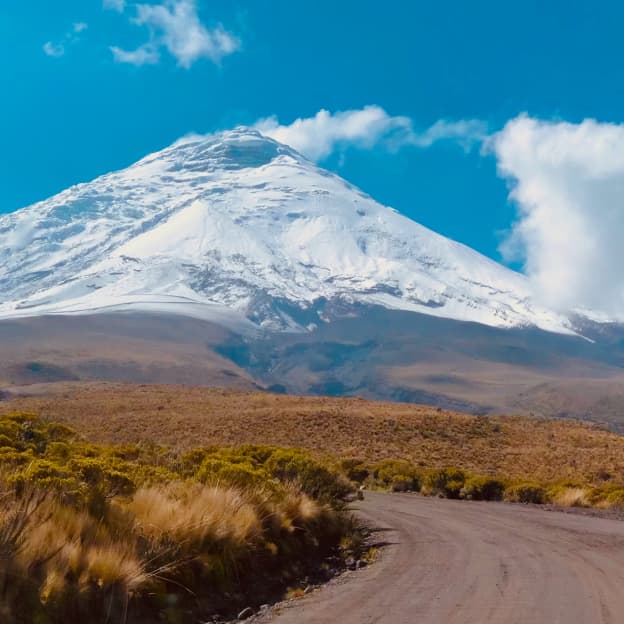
{"x": 137, "y": 533}
{"x": 518, "y": 448}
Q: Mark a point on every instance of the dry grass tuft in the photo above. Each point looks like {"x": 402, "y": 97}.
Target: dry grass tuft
{"x": 196, "y": 515}
{"x": 571, "y": 497}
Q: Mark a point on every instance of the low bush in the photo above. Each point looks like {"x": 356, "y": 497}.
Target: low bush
{"x": 447, "y": 482}
{"x": 253, "y": 465}
{"x": 315, "y": 479}
{"x": 355, "y": 469}
{"x": 615, "y": 499}
{"x": 526, "y": 493}
{"x": 402, "y": 476}
{"x": 482, "y": 488}
{"x": 399, "y": 476}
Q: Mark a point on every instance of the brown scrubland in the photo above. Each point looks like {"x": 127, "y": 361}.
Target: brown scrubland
{"x": 185, "y": 417}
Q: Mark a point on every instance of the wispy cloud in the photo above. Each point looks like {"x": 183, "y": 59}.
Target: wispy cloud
{"x": 175, "y": 26}
{"x": 115, "y": 5}
{"x": 55, "y": 50}
{"x": 319, "y": 136}
{"x": 466, "y": 132}
{"x": 145, "y": 55}
{"x": 567, "y": 181}
{"x": 58, "y": 48}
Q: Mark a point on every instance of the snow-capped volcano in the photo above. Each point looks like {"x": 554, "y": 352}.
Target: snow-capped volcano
{"x": 238, "y": 222}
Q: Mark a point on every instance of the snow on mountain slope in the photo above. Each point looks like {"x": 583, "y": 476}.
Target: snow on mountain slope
{"x": 238, "y": 226}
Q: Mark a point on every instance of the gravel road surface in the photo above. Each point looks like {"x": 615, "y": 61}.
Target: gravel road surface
{"x": 456, "y": 562}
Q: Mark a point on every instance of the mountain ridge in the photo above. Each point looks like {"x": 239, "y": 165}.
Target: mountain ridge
{"x": 238, "y": 228}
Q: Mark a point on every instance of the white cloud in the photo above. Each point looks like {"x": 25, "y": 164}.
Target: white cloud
{"x": 567, "y": 181}
{"x": 115, "y": 5}
{"x": 55, "y": 50}
{"x": 466, "y": 132}
{"x": 317, "y": 137}
{"x": 144, "y": 55}
{"x": 70, "y": 38}
{"x": 175, "y": 25}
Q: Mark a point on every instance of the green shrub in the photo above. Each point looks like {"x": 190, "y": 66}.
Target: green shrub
{"x": 447, "y": 482}
{"x": 482, "y": 488}
{"x": 316, "y": 480}
{"x": 615, "y": 499}
{"x": 400, "y": 476}
{"x": 403, "y": 483}
{"x": 10, "y": 430}
{"x": 355, "y": 469}
{"x": 58, "y": 451}
{"x": 191, "y": 461}
{"x": 250, "y": 465}
{"x": 54, "y": 432}
{"x": 10, "y": 457}
{"x": 526, "y": 493}
{"x": 214, "y": 470}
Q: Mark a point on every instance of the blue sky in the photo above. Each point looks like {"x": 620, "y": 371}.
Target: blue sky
{"x": 78, "y": 109}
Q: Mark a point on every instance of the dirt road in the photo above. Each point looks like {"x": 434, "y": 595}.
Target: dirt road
{"x": 455, "y": 562}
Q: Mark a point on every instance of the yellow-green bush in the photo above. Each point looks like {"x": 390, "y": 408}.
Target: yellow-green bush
{"x": 526, "y": 493}
{"x": 402, "y": 476}
{"x": 251, "y": 465}
{"x": 399, "y": 476}
{"x": 447, "y": 482}
{"x": 615, "y": 499}
{"x": 482, "y": 488}
{"x": 213, "y": 470}
{"x": 316, "y": 480}
{"x": 355, "y": 469}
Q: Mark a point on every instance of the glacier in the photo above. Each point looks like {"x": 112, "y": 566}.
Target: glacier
{"x": 238, "y": 228}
